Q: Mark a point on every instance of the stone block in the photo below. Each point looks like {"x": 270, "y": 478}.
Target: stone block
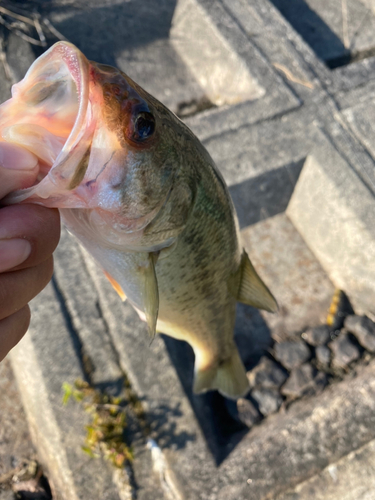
{"x": 344, "y": 351}
{"x": 350, "y": 478}
{"x": 279, "y": 44}
{"x": 292, "y": 354}
{"x": 267, "y": 374}
{"x": 221, "y": 72}
{"x": 15, "y": 441}
{"x": 316, "y": 336}
{"x": 302, "y": 381}
{"x": 135, "y": 38}
{"x": 244, "y": 77}
{"x": 358, "y": 111}
{"x": 42, "y": 362}
{"x": 337, "y": 32}
{"x": 155, "y": 45}
{"x": 323, "y": 355}
{"x": 293, "y": 274}
{"x": 334, "y": 212}
{"x": 364, "y": 329}
{"x": 247, "y": 413}
{"x": 269, "y": 400}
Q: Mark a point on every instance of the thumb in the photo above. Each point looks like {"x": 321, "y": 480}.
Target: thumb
{"x": 18, "y": 168}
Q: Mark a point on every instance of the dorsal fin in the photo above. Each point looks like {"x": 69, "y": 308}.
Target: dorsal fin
{"x": 253, "y": 291}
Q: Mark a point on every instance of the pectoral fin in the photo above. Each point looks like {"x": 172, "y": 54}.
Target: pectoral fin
{"x": 150, "y": 293}
{"x": 253, "y": 291}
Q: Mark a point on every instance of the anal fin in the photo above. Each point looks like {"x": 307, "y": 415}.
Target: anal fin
{"x": 116, "y": 286}
{"x": 253, "y": 291}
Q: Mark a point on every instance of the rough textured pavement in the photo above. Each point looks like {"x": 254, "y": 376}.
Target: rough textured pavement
{"x": 15, "y": 442}
{"x": 268, "y": 88}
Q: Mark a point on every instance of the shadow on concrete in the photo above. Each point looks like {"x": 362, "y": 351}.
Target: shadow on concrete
{"x": 114, "y": 387}
{"x": 101, "y": 33}
{"x": 265, "y": 195}
{"x": 221, "y": 431}
{"x": 325, "y": 43}
{"x": 163, "y": 420}
{"x": 133, "y": 36}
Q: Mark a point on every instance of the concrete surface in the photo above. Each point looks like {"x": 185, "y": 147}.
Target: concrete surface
{"x": 219, "y": 69}
{"x": 352, "y": 477}
{"x": 57, "y": 431}
{"x": 15, "y": 441}
{"x": 338, "y": 32}
{"x": 290, "y": 107}
{"x": 335, "y": 213}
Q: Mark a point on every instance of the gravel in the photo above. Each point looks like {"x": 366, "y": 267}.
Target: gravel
{"x": 323, "y": 355}
{"x": 317, "y": 336}
{"x": 269, "y": 400}
{"x": 267, "y": 374}
{"x": 247, "y": 413}
{"x": 301, "y": 378}
{"x": 292, "y": 354}
{"x": 344, "y": 351}
{"x": 364, "y": 330}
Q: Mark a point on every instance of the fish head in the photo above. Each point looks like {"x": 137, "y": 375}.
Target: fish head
{"x": 105, "y": 147}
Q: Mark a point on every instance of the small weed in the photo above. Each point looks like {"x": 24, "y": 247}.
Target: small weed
{"x": 105, "y": 433}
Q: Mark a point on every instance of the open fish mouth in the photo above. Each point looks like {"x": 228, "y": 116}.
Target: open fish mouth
{"x": 50, "y": 115}
{"x": 58, "y": 114}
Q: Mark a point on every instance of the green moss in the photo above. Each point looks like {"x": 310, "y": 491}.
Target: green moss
{"x": 105, "y": 432}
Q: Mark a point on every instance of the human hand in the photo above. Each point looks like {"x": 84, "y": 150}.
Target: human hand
{"x": 28, "y": 236}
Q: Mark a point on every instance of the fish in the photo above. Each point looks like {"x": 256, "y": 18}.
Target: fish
{"x": 144, "y": 197}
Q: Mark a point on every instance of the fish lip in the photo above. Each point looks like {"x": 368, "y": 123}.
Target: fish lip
{"x": 78, "y": 67}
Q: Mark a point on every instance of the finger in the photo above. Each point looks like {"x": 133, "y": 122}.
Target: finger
{"x": 11, "y": 180}
{"x": 38, "y": 225}
{"x": 18, "y": 168}
{"x": 12, "y": 329}
{"x": 17, "y": 288}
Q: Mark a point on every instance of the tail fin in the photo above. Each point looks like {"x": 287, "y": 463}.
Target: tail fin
{"x": 229, "y": 378}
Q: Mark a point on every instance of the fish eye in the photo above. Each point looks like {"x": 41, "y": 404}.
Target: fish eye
{"x": 144, "y": 126}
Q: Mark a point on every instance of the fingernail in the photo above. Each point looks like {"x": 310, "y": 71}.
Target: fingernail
{"x": 13, "y": 252}
{"x": 16, "y": 158}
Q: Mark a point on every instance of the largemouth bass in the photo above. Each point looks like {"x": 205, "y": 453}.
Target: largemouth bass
{"x": 143, "y": 196}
